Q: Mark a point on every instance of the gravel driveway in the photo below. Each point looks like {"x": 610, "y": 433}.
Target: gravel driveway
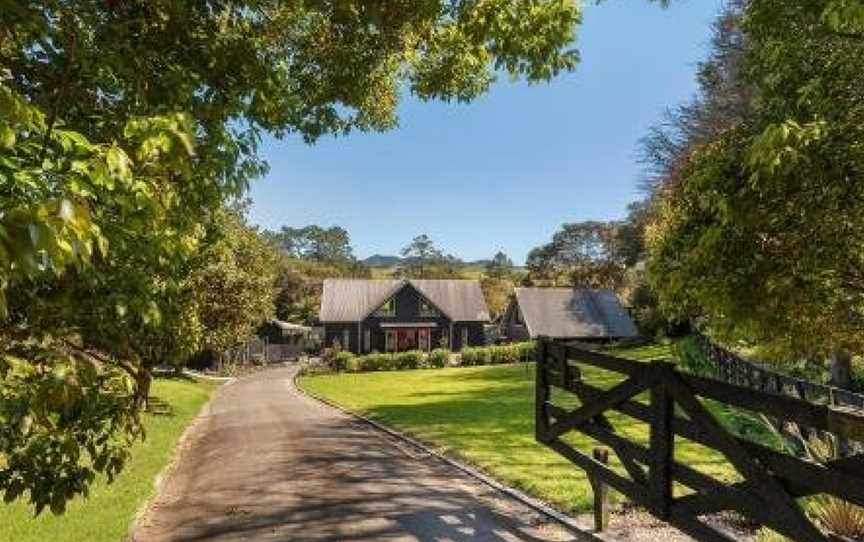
{"x": 265, "y": 462}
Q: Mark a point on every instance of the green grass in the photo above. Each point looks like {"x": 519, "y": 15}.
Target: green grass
{"x": 484, "y": 415}
{"x": 646, "y": 352}
{"x": 108, "y": 513}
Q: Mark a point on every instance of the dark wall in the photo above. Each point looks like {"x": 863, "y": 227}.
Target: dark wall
{"x": 334, "y": 332}
{"x": 511, "y": 326}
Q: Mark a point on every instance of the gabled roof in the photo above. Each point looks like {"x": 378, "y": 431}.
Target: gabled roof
{"x": 570, "y": 313}
{"x": 352, "y": 300}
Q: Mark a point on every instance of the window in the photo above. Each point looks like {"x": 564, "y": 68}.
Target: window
{"x": 387, "y": 309}
{"x": 464, "y": 337}
{"x": 367, "y": 340}
{"x": 390, "y": 340}
{"x": 423, "y": 339}
{"x": 445, "y": 339}
{"x": 426, "y": 309}
{"x": 346, "y": 339}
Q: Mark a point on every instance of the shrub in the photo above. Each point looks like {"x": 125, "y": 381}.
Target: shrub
{"x": 409, "y": 360}
{"x": 353, "y": 365}
{"x": 526, "y": 350}
{"x": 340, "y": 361}
{"x": 376, "y": 362}
{"x": 691, "y": 358}
{"x": 438, "y": 358}
{"x": 469, "y": 356}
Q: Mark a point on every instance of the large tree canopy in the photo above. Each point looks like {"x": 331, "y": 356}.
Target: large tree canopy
{"x": 761, "y": 237}
{"x": 126, "y": 125}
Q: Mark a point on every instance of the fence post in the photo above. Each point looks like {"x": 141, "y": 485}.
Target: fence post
{"x": 662, "y": 441}
{"x": 601, "y": 493}
{"x": 541, "y": 391}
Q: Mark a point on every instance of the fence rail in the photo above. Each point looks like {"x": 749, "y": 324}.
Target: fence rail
{"x": 737, "y": 370}
{"x": 771, "y": 480}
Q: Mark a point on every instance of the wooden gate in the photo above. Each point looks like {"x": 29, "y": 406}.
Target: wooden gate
{"x": 672, "y": 404}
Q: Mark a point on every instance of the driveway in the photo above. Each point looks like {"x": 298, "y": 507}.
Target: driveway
{"x": 265, "y": 462}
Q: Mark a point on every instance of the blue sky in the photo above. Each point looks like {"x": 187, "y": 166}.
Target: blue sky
{"x": 504, "y": 172}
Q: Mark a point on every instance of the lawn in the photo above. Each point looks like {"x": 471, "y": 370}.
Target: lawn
{"x": 484, "y": 416}
{"x": 107, "y": 514}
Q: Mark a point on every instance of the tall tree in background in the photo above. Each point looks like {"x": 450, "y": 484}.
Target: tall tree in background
{"x": 126, "y": 126}
{"x": 583, "y": 254}
{"x": 499, "y": 267}
{"x": 422, "y": 259}
{"x": 760, "y": 237}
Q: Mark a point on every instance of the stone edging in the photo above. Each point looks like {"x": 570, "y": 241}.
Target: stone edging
{"x": 580, "y": 530}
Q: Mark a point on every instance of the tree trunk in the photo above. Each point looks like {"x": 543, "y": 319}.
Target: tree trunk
{"x": 841, "y": 369}
{"x": 841, "y": 377}
{"x": 142, "y": 389}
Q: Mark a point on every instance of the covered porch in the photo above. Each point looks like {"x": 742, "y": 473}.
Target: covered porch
{"x": 405, "y": 336}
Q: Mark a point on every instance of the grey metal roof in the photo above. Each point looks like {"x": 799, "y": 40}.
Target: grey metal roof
{"x": 352, "y": 300}
{"x": 564, "y": 313}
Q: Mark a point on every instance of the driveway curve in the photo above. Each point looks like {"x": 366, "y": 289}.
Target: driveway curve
{"x": 266, "y": 463}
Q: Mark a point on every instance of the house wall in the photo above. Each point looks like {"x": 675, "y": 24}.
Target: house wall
{"x": 333, "y": 331}
{"x": 512, "y": 327}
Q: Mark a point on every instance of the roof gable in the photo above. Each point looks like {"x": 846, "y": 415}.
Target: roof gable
{"x": 574, "y": 313}
{"x": 353, "y": 300}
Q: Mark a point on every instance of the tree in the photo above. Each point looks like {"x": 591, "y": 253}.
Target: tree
{"x": 583, "y": 254}
{"x": 324, "y": 245}
{"x": 125, "y": 125}
{"x": 499, "y": 267}
{"x": 760, "y": 239}
{"x": 420, "y": 258}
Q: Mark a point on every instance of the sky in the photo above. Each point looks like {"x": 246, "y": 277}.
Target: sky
{"x": 505, "y": 171}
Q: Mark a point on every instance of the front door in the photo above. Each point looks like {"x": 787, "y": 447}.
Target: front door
{"x": 390, "y": 340}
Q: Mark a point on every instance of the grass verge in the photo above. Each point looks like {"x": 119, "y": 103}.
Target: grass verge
{"x": 109, "y": 511}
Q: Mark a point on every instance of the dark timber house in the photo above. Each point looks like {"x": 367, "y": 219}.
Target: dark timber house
{"x": 567, "y": 313}
{"x": 398, "y": 315}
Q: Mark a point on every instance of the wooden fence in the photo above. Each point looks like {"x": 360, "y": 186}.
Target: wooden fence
{"x": 770, "y": 480}
{"x": 736, "y": 370}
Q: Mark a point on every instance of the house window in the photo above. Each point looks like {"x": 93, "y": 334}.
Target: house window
{"x": 426, "y": 309}
{"x": 445, "y": 339}
{"x": 464, "y": 337}
{"x": 346, "y": 339}
{"x": 367, "y": 340}
{"x": 390, "y": 340}
{"x": 387, "y": 309}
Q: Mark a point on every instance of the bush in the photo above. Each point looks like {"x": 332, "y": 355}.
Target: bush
{"x": 409, "y": 360}
{"x": 438, "y": 358}
{"x": 340, "y": 361}
{"x": 376, "y": 362}
{"x": 469, "y": 356}
{"x": 526, "y": 350}
{"x": 691, "y": 359}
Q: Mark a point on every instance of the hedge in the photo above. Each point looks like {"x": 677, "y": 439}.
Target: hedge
{"x": 415, "y": 359}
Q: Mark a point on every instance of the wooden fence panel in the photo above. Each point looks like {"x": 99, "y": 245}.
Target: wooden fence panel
{"x": 771, "y": 480}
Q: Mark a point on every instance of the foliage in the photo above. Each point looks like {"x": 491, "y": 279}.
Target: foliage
{"x": 341, "y": 360}
{"x": 759, "y": 239}
{"x": 497, "y": 293}
{"x": 499, "y": 267}
{"x": 583, "y": 254}
{"x": 422, "y": 259}
{"x": 840, "y": 517}
{"x": 234, "y": 274}
{"x": 326, "y": 245}
{"x": 438, "y": 358}
{"x": 409, "y": 360}
{"x": 126, "y": 126}
{"x": 109, "y": 509}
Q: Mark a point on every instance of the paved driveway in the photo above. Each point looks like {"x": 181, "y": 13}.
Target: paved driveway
{"x": 267, "y": 463}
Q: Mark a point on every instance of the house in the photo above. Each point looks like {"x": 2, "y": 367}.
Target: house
{"x": 398, "y": 315}
{"x": 566, "y": 313}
